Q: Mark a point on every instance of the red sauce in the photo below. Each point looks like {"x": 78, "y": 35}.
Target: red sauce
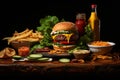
{"x": 80, "y": 23}
{"x": 23, "y": 51}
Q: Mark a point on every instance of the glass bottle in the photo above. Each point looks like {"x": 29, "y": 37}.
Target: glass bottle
{"x": 80, "y": 23}
{"x": 94, "y": 22}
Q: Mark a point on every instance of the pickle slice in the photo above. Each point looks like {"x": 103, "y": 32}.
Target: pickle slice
{"x": 17, "y": 57}
{"x": 34, "y": 56}
{"x": 43, "y": 59}
{"x": 64, "y": 60}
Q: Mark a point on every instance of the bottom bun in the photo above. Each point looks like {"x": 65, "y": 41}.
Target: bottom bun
{"x": 63, "y": 48}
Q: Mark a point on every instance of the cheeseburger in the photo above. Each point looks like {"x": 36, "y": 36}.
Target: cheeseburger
{"x": 64, "y": 35}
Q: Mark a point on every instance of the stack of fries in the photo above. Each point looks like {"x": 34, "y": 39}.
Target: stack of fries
{"x": 26, "y": 35}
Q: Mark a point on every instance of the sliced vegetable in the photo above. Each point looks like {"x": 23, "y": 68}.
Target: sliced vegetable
{"x": 64, "y": 60}
{"x": 66, "y": 42}
{"x": 43, "y": 59}
{"x": 17, "y": 57}
{"x": 35, "y": 56}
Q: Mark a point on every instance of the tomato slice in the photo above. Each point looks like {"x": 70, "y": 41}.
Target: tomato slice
{"x": 66, "y": 42}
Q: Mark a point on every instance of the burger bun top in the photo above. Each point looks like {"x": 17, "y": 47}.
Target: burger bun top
{"x": 66, "y": 25}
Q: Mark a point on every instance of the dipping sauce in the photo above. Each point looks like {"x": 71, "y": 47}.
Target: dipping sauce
{"x": 23, "y": 51}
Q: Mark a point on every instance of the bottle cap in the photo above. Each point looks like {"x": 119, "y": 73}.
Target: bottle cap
{"x": 81, "y": 16}
{"x": 93, "y": 6}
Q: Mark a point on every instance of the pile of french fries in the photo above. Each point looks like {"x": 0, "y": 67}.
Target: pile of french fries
{"x": 26, "y": 35}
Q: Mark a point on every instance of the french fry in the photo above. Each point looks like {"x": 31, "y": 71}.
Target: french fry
{"x": 21, "y": 33}
{"x": 6, "y": 38}
{"x": 16, "y": 34}
{"x": 29, "y": 39}
{"x": 26, "y": 35}
{"x": 19, "y": 37}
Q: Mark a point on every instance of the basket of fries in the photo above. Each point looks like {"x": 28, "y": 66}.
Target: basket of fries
{"x": 25, "y": 38}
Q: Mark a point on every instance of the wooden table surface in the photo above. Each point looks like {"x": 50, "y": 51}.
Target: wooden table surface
{"x": 99, "y": 69}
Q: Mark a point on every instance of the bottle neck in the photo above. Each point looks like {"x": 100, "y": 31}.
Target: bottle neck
{"x": 94, "y": 13}
{"x": 94, "y": 9}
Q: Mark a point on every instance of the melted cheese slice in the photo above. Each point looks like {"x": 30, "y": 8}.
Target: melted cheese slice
{"x": 66, "y": 35}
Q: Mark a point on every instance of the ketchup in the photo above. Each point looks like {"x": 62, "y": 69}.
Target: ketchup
{"x": 23, "y": 51}
{"x": 80, "y": 23}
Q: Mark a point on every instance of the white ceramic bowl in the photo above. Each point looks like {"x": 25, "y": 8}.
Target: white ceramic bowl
{"x": 101, "y": 49}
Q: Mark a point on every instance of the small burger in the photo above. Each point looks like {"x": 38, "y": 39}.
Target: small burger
{"x": 64, "y": 35}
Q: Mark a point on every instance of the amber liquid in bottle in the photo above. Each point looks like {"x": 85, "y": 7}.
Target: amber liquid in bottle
{"x": 94, "y": 23}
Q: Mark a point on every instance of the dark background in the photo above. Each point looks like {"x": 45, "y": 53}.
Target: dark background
{"x": 21, "y": 15}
